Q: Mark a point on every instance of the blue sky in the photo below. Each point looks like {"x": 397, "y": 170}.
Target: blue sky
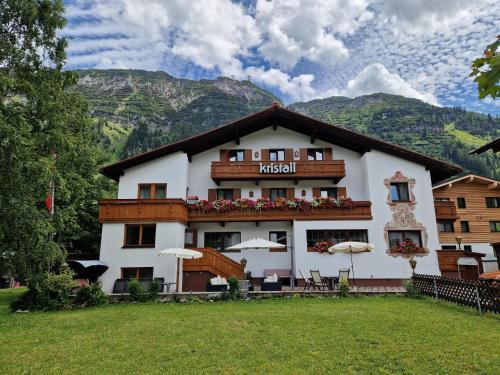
{"x": 300, "y": 50}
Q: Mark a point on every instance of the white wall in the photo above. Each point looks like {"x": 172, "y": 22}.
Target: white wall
{"x": 167, "y": 235}
{"x": 257, "y": 259}
{"x": 171, "y": 169}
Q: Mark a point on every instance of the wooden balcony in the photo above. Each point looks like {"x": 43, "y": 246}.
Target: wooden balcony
{"x": 214, "y": 262}
{"x": 445, "y": 210}
{"x": 142, "y": 210}
{"x": 360, "y": 211}
{"x": 302, "y": 170}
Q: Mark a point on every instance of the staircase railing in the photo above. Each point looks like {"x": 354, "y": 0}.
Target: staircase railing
{"x": 216, "y": 263}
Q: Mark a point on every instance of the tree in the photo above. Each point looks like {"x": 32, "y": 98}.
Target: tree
{"x": 46, "y": 138}
{"x": 486, "y": 71}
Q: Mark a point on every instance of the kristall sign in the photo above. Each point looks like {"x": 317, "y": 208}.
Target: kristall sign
{"x": 276, "y": 168}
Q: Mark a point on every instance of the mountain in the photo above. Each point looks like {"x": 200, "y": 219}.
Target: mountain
{"x": 138, "y": 110}
{"x": 445, "y": 133}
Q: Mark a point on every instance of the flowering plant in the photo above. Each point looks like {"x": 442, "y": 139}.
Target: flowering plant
{"x": 244, "y": 203}
{"x": 406, "y": 247}
{"x": 223, "y": 205}
{"x": 280, "y": 202}
{"x": 323, "y": 246}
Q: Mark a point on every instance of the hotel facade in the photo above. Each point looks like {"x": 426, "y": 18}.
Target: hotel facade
{"x": 276, "y": 175}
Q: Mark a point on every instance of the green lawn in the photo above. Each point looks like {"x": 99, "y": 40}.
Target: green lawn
{"x": 283, "y": 336}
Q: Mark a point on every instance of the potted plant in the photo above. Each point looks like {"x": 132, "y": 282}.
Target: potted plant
{"x": 192, "y": 199}
{"x": 323, "y": 246}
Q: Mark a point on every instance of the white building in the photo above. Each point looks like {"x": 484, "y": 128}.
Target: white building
{"x": 272, "y": 153}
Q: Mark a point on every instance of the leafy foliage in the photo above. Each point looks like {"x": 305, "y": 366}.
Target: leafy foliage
{"x": 486, "y": 71}
{"x": 90, "y": 295}
{"x": 343, "y": 288}
{"x": 46, "y": 138}
{"x": 234, "y": 290}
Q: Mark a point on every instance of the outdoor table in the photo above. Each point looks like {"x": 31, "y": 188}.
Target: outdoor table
{"x": 330, "y": 281}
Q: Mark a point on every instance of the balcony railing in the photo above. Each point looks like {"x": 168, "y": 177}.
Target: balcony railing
{"x": 361, "y": 210}
{"x": 278, "y": 170}
{"x": 142, "y": 210}
{"x": 445, "y": 210}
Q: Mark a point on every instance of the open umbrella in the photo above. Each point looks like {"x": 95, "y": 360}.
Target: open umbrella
{"x": 180, "y": 254}
{"x": 256, "y": 243}
{"x": 352, "y": 247}
{"x": 88, "y": 269}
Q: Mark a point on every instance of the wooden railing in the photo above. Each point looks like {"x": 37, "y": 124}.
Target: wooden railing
{"x": 304, "y": 170}
{"x": 360, "y": 211}
{"x": 214, "y": 262}
{"x": 445, "y": 210}
{"x": 142, "y": 210}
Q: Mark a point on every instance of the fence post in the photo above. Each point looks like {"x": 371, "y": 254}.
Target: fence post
{"x": 435, "y": 288}
{"x": 478, "y": 299}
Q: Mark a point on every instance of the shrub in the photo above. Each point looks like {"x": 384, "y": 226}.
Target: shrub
{"x": 343, "y": 288}
{"x": 48, "y": 291}
{"x": 411, "y": 290}
{"x": 234, "y": 289}
{"x": 153, "y": 290}
{"x": 135, "y": 290}
{"x": 90, "y": 295}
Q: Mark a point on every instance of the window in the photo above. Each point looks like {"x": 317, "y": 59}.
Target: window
{"x": 461, "y": 202}
{"x": 276, "y": 155}
{"x": 222, "y": 240}
{"x": 226, "y": 194}
{"x": 399, "y": 192}
{"x": 315, "y": 154}
{"x": 277, "y": 192}
{"x": 152, "y": 191}
{"x": 336, "y": 236}
{"x": 328, "y": 193}
{"x": 279, "y": 237}
{"x": 190, "y": 237}
{"x": 398, "y": 236}
{"x": 441, "y": 199}
{"x": 495, "y": 226}
{"x": 236, "y": 155}
{"x": 448, "y": 247}
{"x": 464, "y": 226}
{"x": 468, "y": 247}
{"x": 492, "y": 202}
{"x": 137, "y": 273}
{"x": 445, "y": 226}
{"x": 140, "y": 235}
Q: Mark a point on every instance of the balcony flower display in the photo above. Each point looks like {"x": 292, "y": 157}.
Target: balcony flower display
{"x": 262, "y": 204}
{"x": 406, "y": 247}
{"x": 323, "y": 246}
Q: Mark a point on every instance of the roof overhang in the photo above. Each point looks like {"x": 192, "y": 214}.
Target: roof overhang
{"x": 490, "y": 183}
{"x": 493, "y": 145}
{"x": 275, "y": 116}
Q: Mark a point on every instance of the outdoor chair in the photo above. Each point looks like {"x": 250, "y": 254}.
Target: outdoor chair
{"x": 120, "y": 286}
{"x": 318, "y": 281}
{"x": 344, "y": 275}
{"x": 307, "y": 281}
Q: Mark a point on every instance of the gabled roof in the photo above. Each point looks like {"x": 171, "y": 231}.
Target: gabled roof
{"x": 469, "y": 177}
{"x": 278, "y": 116}
{"x": 493, "y": 145}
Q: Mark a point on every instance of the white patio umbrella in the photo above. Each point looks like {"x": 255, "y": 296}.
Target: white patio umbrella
{"x": 352, "y": 247}
{"x": 256, "y": 243}
{"x": 180, "y": 254}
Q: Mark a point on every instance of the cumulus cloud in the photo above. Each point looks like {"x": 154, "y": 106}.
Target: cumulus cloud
{"x": 376, "y": 78}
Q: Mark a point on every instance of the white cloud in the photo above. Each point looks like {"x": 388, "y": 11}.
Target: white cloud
{"x": 376, "y": 78}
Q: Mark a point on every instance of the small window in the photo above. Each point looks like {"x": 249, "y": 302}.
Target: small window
{"x": 150, "y": 191}
{"x": 328, "y": 193}
{"x": 190, "y": 237}
{"x": 445, "y": 226}
{"x": 140, "y": 235}
{"x": 222, "y": 240}
{"x": 279, "y": 237}
{"x": 396, "y": 237}
{"x": 448, "y": 247}
{"x": 276, "y": 155}
{"x": 277, "y": 192}
{"x": 315, "y": 154}
{"x": 236, "y": 155}
{"x": 399, "y": 192}
{"x": 336, "y": 236}
{"x": 495, "y": 226}
{"x": 461, "y": 202}
{"x": 492, "y": 202}
{"x": 468, "y": 247}
{"x": 464, "y": 226}
{"x": 226, "y": 194}
{"x": 137, "y": 273}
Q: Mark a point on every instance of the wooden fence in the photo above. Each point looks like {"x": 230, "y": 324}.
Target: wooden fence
{"x": 477, "y": 294}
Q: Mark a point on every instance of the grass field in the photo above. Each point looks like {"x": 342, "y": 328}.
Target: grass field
{"x": 365, "y": 335}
